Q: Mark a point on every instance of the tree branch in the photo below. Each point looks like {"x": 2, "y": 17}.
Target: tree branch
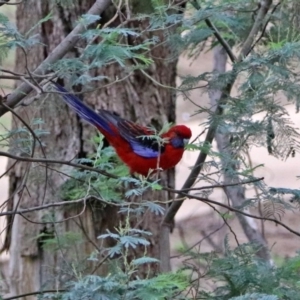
{"x": 54, "y": 161}
{"x": 216, "y": 33}
{"x": 170, "y": 214}
{"x": 59, "y": 52}
{"x": 241, "y": 212}
{"x": 247, "y": 46}
{"x": 50, "y": 205}
{"x": 186, "y": 195}
{"x": 4, "y": 2}
{"x": 236, "y": 194}
{"x": 265, "y": 27}
{"x": 215, "y": 186}
{"x": 35, "y": 293}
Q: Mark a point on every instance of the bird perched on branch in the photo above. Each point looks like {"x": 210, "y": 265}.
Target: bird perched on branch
{"x": 137, "y": 146}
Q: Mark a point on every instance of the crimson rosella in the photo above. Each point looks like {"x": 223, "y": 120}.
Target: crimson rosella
{"x": 139, "y": 152}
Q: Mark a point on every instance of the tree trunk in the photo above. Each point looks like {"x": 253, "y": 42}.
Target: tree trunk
{"x": 235, "y": 193}
{"x": 34, "y": 264}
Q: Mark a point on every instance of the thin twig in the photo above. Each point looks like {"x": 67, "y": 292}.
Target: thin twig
{"x": 170, "y": 214}
{"x": 184, "y": 194}
{"x": 35, "y": 293}
{"x": 265, "y": 27}
{"x": 263, "y": 10}
{"x": 51, "y": 205}
{"x": 173, "y": 209}
{"x": 18, "y": 75}
{"x": 241, "y": 212}
{"x": 54, "y": 161}
{"x": 35, "y": 137}
{"x": 226, "y": 222}
{"x": 216, "y": 33}
{"x": 199, "y": 242}
{"x": 214, "y": 186}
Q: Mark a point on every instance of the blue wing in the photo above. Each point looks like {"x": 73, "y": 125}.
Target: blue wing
{"x": 101, "y": 120}
{"x": 136, "y": 136}
{"x": 142, "y": 146}
{"x": 144, "y": 151}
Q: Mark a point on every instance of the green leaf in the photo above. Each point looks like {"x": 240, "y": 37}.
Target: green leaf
{"x": 133, "y": 242}
{"x": 156, "y": 187}
{"x": 88, "y": 19}
{"x": 144, "y": 260}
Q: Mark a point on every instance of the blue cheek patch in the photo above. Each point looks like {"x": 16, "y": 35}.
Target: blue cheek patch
{"x": 177, "y": 142}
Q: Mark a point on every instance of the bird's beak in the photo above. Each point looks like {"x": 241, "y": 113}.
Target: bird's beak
{"x": 185, "y": 141}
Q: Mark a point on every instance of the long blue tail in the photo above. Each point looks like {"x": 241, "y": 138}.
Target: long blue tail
{"x": 84, "y": 111}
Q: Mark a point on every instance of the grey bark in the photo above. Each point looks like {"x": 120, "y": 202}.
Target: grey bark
{"x": 235, "y": 193}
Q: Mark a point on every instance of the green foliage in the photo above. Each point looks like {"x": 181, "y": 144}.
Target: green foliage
{"x": 21, "y": 139}
{"x": 238, "y": 275}
{"x": 11, "y": 38}
{"x": 126, "y": 238}
{"x": 61, "y": 242}
{"x": 241, "y": 275}
{"x": 116, "y": 286}
{"x": 88, "y": 183}
{"x": 83, "y": 184}
{"x": 251, "y": 117}
{"x": 119, "y": 284}
{"x": 112, "y": 49}
{"x": 3, "y": 37}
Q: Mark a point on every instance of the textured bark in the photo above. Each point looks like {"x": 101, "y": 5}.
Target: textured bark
{"x": 235, "y": 193}
{"x": 31, "y": 265}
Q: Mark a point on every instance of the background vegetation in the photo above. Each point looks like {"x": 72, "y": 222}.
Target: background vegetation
{"x": 255, "y": 64}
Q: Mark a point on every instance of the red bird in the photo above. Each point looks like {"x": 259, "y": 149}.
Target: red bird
{"x": 139, "y": 153}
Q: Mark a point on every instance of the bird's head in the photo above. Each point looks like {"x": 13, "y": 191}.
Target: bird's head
{"x": 179, "y": 136}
